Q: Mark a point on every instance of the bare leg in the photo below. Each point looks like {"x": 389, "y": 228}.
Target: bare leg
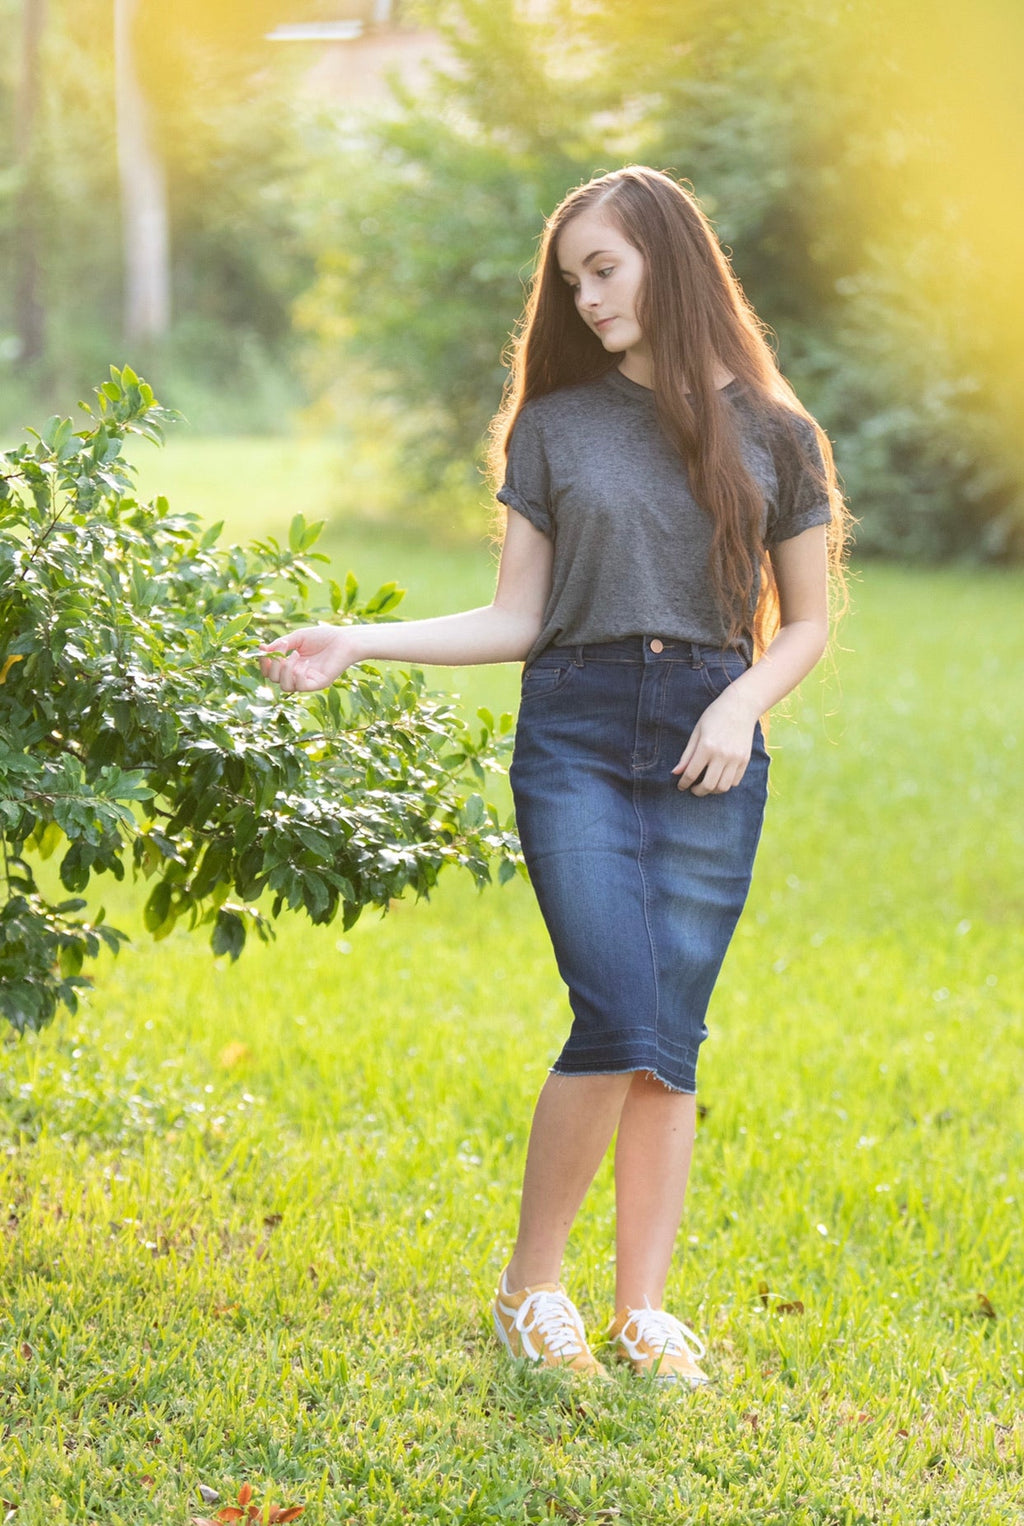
{"x": 652, "y": 1166}
{"x": 572, "y": 1127}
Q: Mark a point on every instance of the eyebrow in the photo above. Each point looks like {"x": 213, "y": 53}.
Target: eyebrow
{"x": 595, "y": 255}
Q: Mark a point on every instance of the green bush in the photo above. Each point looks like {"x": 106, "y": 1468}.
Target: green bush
{"x": 136, "y": 730}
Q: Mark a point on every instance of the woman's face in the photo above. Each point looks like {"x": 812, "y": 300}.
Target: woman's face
{"x": 605, "y": 273}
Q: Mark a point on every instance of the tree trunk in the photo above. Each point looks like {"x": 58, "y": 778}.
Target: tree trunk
{"x": 144, "y": 218}
{"x": 31, "y": 322}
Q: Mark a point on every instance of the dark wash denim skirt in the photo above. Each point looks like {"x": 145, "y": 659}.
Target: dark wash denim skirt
{"x": 640, "y": 883}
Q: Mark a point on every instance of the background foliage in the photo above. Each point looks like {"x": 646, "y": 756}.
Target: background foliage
{"x": 228, "y": 141}
{"x": 782, "y": 121}
{"x": 363, "y": 269}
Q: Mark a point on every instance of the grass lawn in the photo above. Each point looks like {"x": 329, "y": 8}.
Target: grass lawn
{"x": 251, "y": 1216}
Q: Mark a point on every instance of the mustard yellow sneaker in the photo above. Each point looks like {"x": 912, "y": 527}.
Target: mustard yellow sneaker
{"x": 659, "y": 1345}
{"x": 543, "y": 1325}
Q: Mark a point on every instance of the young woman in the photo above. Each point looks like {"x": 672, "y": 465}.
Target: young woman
{"x": 673, "y": 512}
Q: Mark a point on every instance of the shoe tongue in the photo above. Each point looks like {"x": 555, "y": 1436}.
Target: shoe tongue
{"x": 534, "y": 1287}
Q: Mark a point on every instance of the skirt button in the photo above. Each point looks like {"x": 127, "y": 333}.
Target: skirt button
{"x": 657, "y": 646}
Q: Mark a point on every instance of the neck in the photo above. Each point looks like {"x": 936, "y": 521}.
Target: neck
{"x": 639, "y": 368}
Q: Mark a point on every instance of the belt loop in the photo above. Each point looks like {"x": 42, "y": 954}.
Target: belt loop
{"x": 696, "y": 659}
{"x": 577, "y": 660}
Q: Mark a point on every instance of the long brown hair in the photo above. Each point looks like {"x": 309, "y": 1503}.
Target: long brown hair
{"x": 694, "y": 315}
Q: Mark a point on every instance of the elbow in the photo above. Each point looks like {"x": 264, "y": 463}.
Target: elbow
{"x": 812, "y": 632}
{"x": 817, "y": 640}
{"x": 521, "y": 629}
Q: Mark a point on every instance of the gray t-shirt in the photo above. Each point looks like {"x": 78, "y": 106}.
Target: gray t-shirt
{"x": 591, "y": 467}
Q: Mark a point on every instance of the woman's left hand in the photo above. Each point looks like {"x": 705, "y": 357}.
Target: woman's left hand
{"x": 719, "y": 748}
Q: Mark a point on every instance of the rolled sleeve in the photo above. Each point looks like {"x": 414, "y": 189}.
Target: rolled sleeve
{"x": 527, "y": 485}
{"x": 802, "y": 498}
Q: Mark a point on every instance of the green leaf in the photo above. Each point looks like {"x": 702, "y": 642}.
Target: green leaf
{"x": 473, "y": 813}
{"x": 157, "y": 909}
{"x": 234, "y": 627}
{"x": 387, "y": 597}
{"x": 228, "y": 934}
{"x": 296, "y": 533}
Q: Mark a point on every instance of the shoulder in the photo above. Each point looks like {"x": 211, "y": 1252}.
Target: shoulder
{"x": 566, "y": 405}
{"x": 787, "y": 430}
{"x": 791, "y": 437}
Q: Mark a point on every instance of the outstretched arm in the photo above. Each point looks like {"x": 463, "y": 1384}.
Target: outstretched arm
{"x": 720, "y": 745}
{"x": 502, "y": 631}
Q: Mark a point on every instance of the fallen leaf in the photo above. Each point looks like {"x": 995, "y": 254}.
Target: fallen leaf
{"x": 791, "y": 1306}
{"x": 266, "y": 1515}
{"x": 210, "y": 1496}
{"x": 26, "y": 1351}
{"x": 985, "y": 1308}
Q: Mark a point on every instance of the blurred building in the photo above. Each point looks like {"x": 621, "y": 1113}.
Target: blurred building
{"x": 356, "y": 46}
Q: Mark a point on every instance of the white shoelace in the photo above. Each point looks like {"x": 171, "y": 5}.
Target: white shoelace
{"x": 554, "y": 1318}
{"x": 664, "y": 1333}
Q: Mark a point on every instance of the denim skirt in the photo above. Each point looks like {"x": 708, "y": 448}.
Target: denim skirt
{"x": 640, "y": 883}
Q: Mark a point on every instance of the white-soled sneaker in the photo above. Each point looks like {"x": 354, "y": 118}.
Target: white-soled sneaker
{"x": 543, "y": 1325}
{"x": 655, "y": 1343}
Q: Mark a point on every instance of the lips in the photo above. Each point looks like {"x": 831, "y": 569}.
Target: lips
{"x": 602, "y": 323}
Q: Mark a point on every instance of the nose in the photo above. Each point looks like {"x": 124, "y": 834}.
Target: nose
{"x": 586, "y": 294}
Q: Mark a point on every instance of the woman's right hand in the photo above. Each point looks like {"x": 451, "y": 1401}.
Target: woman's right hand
{"x": 311, "y": 658}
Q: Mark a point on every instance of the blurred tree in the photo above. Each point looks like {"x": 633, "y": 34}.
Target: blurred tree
{"x": 423, "y": 227}
{"x": 144, "y": 220}
{"x": 29, "y": 308}
{"x": 223, "y": 131}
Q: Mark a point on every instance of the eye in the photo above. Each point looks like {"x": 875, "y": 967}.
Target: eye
{"x": 609, "y": 270}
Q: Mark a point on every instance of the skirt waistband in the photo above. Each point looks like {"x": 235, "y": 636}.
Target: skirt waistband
{"x": 642, "y": 649}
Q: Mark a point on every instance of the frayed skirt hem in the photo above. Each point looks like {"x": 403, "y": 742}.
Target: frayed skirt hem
{"x": 628, "y": 1070}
